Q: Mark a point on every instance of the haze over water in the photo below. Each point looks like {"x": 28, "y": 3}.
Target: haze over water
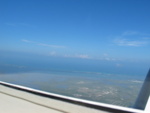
{"x": 85, "y": 82}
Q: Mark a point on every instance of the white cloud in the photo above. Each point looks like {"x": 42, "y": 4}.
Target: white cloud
{"x": 119, "y": 65}
{"x": 42, "y": 44}
{"x": 105, "y": 54}
{"x": 134, "y": 43}
{"x": 133, "y": 33}
{"x": 27, "y": 41}
{"x": 83, "y": 56}
{"x": 130, "y": 33}
{"x": 132, "y": 38}
{"x": 53, "y": 46}
{"x": 53, "y": 53}
{"x": 107, "y": 57}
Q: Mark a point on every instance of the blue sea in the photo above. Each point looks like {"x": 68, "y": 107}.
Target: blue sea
{"x": 85, "y": 79}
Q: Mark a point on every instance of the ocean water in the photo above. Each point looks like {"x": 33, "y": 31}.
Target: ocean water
{"x": 95, "y": 80}
{"x": 107, "y": 88}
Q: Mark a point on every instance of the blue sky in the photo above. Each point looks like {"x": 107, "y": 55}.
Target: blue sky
{"x": 103, "y": 30}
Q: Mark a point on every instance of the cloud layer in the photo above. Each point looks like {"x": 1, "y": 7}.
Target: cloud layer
{"x": 132, "y": 38}
{"x": 134, "y": 43}
{"x": 43, "y": 44}
{"x": 83, "y": 56}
